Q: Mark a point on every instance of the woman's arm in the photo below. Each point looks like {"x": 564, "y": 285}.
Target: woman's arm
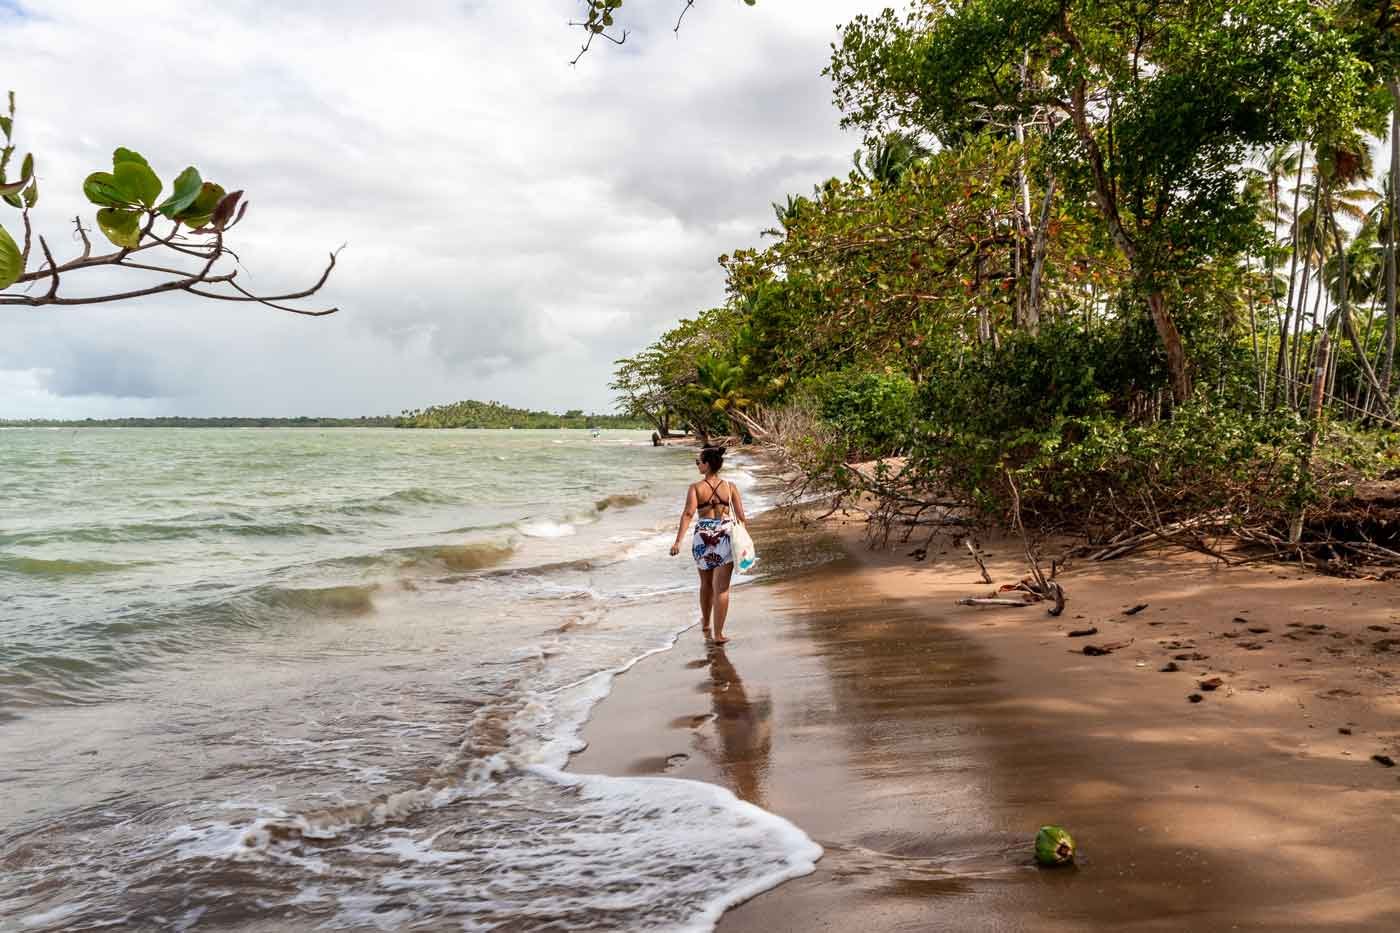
{"x": 738, "y": 504}
{"x": 690, "y": 501}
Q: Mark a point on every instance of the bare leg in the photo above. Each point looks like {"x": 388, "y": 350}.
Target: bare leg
{"x": 721, "y": 574}
{"x": 707, "y": 600}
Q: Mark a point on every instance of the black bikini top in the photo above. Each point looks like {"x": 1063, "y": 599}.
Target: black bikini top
{"x": 714, "y": 501}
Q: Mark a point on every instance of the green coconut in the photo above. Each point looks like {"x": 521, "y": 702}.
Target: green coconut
{"x": 1053, "y": 846}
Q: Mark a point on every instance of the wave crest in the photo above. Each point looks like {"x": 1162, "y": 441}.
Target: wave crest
{"x": 619, "y": 501}
{"x": 39, "y": 567}
{"x": 326, "y": 600}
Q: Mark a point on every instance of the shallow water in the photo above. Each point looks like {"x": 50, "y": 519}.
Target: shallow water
{"x": 328, "y": 678}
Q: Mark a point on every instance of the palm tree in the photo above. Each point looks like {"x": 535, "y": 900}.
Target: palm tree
{"x": 722, "y": 382}
{"x": 887, "y": 159}
{"x": 1341, "y": 168}
{"x": 789, "y": 214}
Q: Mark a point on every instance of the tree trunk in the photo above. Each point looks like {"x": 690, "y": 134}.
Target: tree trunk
{"x": 1260, "y": 377}
{"x": 1106, "y": 197}
{"x": 1038, "y": 250}
{"x": 1307, "y": 284}
{"x": 1348, "y": 328}
{"x": 1281, "y": 374}
{"x": 1388, "y": 342}
{"x": 1171, "y": 343}
{"x": 1026, "y": 316}
{"x": 1319, "y": 392}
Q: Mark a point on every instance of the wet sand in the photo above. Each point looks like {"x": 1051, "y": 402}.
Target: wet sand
{"x": 922, "y": 743}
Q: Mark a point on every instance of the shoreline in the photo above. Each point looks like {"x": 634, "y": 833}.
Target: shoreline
{"x": 922, "y": 744}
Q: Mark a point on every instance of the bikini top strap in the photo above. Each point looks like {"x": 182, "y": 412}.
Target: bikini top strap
{"x": 714, "y": 495}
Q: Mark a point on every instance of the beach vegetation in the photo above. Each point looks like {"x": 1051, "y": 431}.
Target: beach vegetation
{"x": 1116, "y": 268}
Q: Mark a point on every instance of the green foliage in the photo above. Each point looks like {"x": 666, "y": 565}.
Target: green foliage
{"x": 24, "y": 192}
{"x": 128, "y": 202}
{"x": 872, "y": 412}
{"x": 721, "y": 382}
{"x": 127, "y": 198}
{"x": 1087, "y": 283}
{"x": 121, "y": 226}
{"x": 186, "y": 188}
{"x": 1158, "y": 107}
{"x": 11, "y": 263}
{"x": 663, "y": 384}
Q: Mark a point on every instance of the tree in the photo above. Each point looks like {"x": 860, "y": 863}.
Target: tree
{"x": 662, "y": 383}
{"x": 887, "y": 159}
{"x": 173, "y": 245}
{"x": 1161, "y": 104}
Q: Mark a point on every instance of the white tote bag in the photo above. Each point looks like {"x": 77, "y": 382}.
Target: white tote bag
{"x": 744, "y": 554}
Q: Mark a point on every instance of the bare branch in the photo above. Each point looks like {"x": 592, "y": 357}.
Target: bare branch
{"x": 209, "y": 252}
{"x": 53, "y": 288}
{"x": 182, "y": 284}
{"x": 271, "y": 300}
{"x": 684, "y": 10}
{"x": 593, "y": 35}
{"x": 82, "y": 232}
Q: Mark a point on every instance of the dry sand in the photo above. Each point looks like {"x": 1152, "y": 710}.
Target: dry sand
{"x": 922, "y": 743}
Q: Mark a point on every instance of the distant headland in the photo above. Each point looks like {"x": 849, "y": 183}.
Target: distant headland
{"x": 464, "y": 414}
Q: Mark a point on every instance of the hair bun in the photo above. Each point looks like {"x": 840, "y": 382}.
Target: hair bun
{"x": 713, "y": 458}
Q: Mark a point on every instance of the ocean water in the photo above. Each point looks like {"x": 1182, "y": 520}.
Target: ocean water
{"x": 272, "y": 679}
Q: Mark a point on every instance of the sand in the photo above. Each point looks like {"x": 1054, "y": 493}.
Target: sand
{"x": 922, "y": 743}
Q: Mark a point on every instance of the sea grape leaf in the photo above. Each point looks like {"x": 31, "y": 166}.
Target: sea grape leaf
{"x": 11, "y": 262}
{"x": 186, "y": 188}
{"x": 137, "y": 182}
{"x": 198, "y": 213}
{"x": 122, "y": 154}
{"x": 101, "y": 189}
{"x": 224, "y": 212}
{"x": 122, "y": 227}
{"x": 26, "y": 175}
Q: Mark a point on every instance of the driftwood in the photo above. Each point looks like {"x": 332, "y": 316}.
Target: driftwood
{"x": 1043, "y": 587}
{"x": 1125, "y": 543}
{"x": 977, "y": 556}
{"x": 994, "y": 601}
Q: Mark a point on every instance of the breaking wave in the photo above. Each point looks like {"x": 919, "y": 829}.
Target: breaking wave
{"x": 327, "y": 600}
{"x": 36, "y": 567}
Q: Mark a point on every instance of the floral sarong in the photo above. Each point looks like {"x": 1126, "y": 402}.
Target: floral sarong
{"x": 711, "y": 546}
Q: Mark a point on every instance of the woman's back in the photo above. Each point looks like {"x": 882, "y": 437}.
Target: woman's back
{"x": 708, "y": 498}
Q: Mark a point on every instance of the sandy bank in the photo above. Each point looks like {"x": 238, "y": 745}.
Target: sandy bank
{"x": 922, "y": 743}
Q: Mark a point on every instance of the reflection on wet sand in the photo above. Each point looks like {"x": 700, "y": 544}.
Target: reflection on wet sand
{"x": 744, "y": 727}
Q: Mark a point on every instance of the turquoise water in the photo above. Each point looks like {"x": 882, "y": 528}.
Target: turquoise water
{"x": 330, "y": 677}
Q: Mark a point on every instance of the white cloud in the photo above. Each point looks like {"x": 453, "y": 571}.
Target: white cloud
{"x": 513, "y": 224}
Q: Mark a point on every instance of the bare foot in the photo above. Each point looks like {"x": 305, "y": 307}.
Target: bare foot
{"x": 705, "y": 632}
{"x": 721, "y": 639}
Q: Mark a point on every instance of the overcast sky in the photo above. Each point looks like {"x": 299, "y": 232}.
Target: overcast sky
{"x": 513, "y": 224}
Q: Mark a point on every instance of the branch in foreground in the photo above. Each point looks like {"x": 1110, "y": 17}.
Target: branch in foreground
{"x": 190, "y": 256}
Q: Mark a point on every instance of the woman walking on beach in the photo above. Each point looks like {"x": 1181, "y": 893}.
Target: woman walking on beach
{"x": 710, "y": 500}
